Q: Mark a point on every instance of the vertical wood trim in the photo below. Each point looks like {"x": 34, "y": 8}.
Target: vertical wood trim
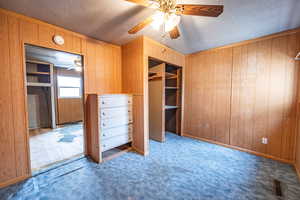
{"x": 7, "y": 146}
{"x": 156, "y": 96}
{"x": 17, "y": 84}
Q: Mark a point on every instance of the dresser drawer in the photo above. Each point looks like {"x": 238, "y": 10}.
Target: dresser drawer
{"x": 112, "y": 132}
{"x": 113, "y": 101}
{"x": 115, "y": 122}
{"x": 115, "y": 142}
{"x": 115, "y": 112}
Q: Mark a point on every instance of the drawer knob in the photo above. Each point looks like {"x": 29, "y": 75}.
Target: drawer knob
{"x": 103, "y": 102}
{"x": 104, "y": 134}
{"x": 103, "y": 114}
{"x": 103, "y": 124}
{"x": 104, "y": 145}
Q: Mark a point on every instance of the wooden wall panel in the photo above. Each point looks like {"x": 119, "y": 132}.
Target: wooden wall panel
{"x": 276, "y": 96}
{"x": 260, "y": 129}
{"x": 140, "y": 133}
{"x": 76, "y": 44}
{"x": 133, "y": 76}
{"x": 264, "y": 78}
{"x": 188, "y": 93}
{"x": 222, "y": 81}
{"x": 209, "y": 96}
{"x": 45, "y": 35}
{"x": 243, "y": 95}
{"x": 69, "y": 110}
{"x": 29, "y": 31}
{"x": 103, "y": 68}
{"x": 133, "y": 67}
{"x": 100, "y": 74}
{"x": 112, "y": 68}
{"x": 7, "y": 144}
{"x": 297, "y": 136}
{"x": 290, "y": 101}
{"x": 201, "y": 98}
{"x": 90, "y": 68}
{"x": 18, "y": 100}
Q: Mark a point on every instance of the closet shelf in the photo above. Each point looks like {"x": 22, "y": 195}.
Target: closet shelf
{"x": 170, "y": 107}
{"x": 38, "y": 73}
{"x": 39, "y": 84}
{"x": 171, "y": 88}
{"x": 170, "y": 75}
{"x": 154, "y": 77}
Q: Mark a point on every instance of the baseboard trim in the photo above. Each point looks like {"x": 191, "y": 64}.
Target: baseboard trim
{"x": 240, "y": 149}
{"x": 140, "y": 151}
{"x": 115, "y": 155}
{"x": 14, "y": 180}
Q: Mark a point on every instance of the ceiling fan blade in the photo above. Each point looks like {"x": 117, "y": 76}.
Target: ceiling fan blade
{"x": 174, "y": 33}
{"x": 141, "y": 25}
{"x": 140, "y": 2}
{"x": 200, "y": 10}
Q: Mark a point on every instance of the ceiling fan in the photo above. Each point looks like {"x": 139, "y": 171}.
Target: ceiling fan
{"x": 168, "y": 14}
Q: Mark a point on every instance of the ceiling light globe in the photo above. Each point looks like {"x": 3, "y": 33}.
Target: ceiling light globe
{"x": 172, "y": 21}
{"x": 158, "y": 20}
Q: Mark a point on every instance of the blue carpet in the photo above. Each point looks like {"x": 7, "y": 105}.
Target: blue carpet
{"x": 180, "y": 168}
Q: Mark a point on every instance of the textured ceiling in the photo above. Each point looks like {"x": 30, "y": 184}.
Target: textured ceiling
{"x": 109, "y": 20}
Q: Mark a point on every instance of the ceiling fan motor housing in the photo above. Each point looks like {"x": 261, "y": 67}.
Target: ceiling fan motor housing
{"x": 167, "y": 6}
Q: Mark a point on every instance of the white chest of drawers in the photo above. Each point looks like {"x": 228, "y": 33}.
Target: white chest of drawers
{"x": 109, "y": 123}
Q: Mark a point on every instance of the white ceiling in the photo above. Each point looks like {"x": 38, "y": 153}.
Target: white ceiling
{"x": 109, "y": 20}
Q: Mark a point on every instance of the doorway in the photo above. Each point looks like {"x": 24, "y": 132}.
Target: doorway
{"x": 54, "y": 81}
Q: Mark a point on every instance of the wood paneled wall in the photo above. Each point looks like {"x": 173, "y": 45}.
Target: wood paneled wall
{"x": 297, "y": 151}
{"x": 102, "y": 74}
{"x": 103, "y": 69}
{"x": 208, "y": 90}
{"x": 69, "y": 110}
{"x": 133, "y": 82}
{"x": 238, "y": 94}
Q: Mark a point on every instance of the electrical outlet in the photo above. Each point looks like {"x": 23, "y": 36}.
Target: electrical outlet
{"x": 264, "y": 140}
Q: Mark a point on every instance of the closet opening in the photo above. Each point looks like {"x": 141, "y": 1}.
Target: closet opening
{"x": 54, "y": 81}
{"x": 165, "y": 99}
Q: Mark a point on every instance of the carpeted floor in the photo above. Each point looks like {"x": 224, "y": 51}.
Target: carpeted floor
{"x": 180, "y": 168}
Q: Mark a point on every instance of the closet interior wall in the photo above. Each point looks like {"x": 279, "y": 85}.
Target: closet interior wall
{"x": 173, "y": 98}
{"x": 156, "y": 94}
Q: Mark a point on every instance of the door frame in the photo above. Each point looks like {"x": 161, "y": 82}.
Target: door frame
{"x": 23, "y": 54}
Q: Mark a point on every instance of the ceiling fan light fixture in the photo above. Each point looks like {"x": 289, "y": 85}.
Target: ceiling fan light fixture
{"x": 158, "y": 20}
{"x": 168, "y": 14}
{"x": 172, "y": 21}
